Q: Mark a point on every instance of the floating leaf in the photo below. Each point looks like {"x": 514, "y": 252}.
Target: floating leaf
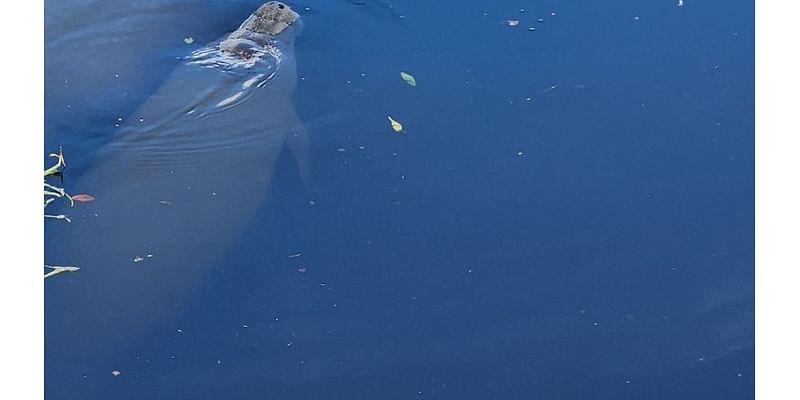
{"x": 408, "y": 78}
{"x": 395, "y": 125}
{"x": 188, "y": 40}
{"x": 57, "y": 269}
{"x": 82, "y": 197}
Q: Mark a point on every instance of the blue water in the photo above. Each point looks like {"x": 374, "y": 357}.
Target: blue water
{"x": 568, "y": 213}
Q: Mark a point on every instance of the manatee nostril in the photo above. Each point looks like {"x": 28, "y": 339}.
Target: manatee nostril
{"x": 281, "y": 6}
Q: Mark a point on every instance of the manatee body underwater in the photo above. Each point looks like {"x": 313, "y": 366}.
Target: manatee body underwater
{"x": 177, "y": 186}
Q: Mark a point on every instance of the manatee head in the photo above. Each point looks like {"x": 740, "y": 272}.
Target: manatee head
{"x": 272, "y": 18}
{"x": 269, "y": 22}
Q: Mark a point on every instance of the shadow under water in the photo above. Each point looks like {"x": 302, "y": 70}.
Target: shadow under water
{"x": 177, "y": 186}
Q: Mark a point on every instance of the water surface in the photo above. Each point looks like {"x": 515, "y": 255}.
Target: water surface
{"x": 568, "y": 213}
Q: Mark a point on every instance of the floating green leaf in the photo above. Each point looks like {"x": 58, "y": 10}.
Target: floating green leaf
{"x": 188, "y": 40}
{"x": 408, "y": 78}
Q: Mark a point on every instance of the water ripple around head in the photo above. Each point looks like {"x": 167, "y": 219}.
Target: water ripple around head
{"x": 211, "y": 107}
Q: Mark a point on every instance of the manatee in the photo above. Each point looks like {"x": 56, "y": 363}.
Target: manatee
{"x": 177, "y": 186}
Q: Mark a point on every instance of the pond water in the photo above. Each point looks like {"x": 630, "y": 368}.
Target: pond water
{"x": 566, "y": 212}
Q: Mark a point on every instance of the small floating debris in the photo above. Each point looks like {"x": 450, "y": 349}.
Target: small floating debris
{"x": 552, "y": 87}
{"x": 116, "y": 373}
{"x": 82, "y": 197}
{"x": 511, "y": 22}
{"x": 408, "y": 78}
{"x": 295, "y": 255}
{"x": 138, "y": 259}
{"x": 301, "y": 270}
{"x": 680, "y": 3}
{"x": 188, "y": 40}
{"x": 397, "y": 126}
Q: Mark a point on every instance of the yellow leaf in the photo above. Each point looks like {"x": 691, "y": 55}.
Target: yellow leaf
{"x": 395, "y": 125}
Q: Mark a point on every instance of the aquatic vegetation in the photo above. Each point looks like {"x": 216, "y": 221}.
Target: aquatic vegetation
{"x": 51, "y": 193}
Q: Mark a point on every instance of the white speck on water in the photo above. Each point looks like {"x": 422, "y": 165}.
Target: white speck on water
{"x": 341, "y": 150}
{"x": 116, "y": 75}
{"x": 295, "y": 255}
{"x": 595, "y": 323}
{"x": 627, "y": 381}
{"x": 116, "y": 373}
{"x": 312, "y": 202}
{"x": 519, "y": 153}
{"x": 179, "y": 330}
{"x": 219, "y": 362}
{"x": 289, "y": 344}
{"x": 172, "y": 357}
{"x": 119, "y": 119}
{"x": 141, "y": 119}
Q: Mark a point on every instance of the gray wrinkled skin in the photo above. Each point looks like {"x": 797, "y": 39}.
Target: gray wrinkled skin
{"x": 269, "y": 20}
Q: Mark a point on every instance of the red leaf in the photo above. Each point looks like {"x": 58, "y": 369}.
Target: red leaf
{"x": 82, "y": 197}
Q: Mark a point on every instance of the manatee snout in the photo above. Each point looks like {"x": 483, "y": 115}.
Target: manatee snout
{"x": 258, "y": 30}
{"x": 273, "y": 18}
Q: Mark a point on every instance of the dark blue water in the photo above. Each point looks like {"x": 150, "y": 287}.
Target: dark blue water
{"x": 568, "y": 214}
